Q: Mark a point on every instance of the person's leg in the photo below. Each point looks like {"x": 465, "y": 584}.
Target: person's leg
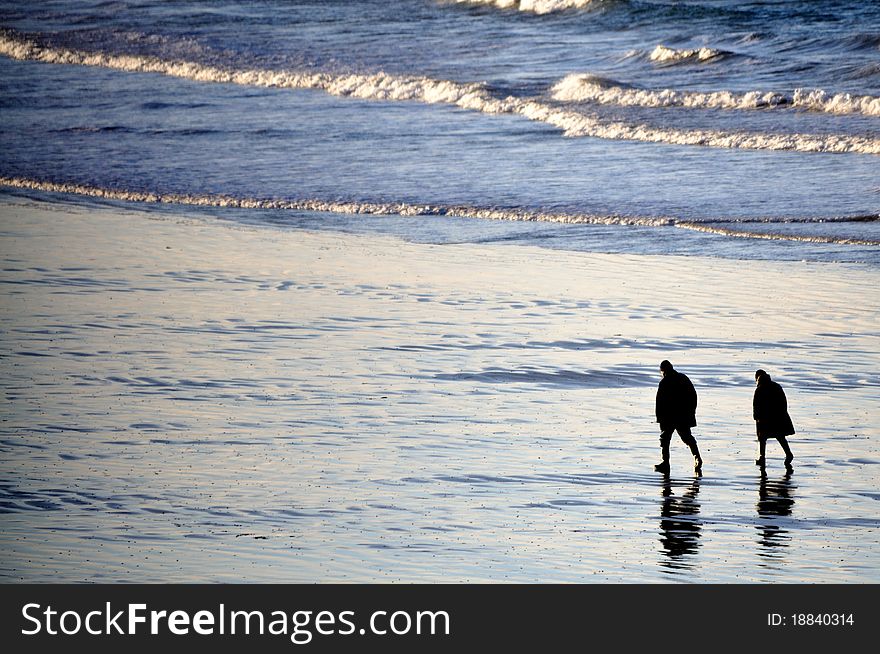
{"x": 762, "y": 447}
{"x": 665, "y": 437}
{"x": 785, "y": 448}
{"x": 691, "y": 442}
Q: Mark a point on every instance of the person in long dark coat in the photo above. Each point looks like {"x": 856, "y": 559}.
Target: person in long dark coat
{"x": 676, "y": 411}
{"x": 770, "y": 410}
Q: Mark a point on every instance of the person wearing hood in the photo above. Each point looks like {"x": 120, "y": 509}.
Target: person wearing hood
{"x": 676, "y": 411}
{"x": 770, "y": 410}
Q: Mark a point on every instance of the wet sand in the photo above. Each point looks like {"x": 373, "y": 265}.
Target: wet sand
{"x": 185, "y": 399}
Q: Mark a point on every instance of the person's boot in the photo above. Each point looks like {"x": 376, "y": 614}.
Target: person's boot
{"x": 663, "y": 466}
{"x": 698, "y": 460}
{"x": 789, "y": 457}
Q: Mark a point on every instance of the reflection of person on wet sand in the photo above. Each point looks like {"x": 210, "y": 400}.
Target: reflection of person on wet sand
{"x": 676, "y": 411}
{"x": 679, "y": 523}
{"x": 774, "y": 501}
{"x": 770, "y": 410}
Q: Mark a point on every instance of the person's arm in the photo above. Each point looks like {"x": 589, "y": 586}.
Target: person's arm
{"x": 756, "y": 404}
{"x": 659, "y": 401}
{"x": 687, "y": 394}
{"x": 657, "y": 407}
{"x": 693, "y": 396}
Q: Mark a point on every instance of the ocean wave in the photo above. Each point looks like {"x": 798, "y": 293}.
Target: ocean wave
{"x": 864, "y": 41}
{"x": 330, "y": 206}
{"x": 378, "y": 86}
{"x": 532, "y": 6}
{"x": 92, "y": 129}
{"x": 456, "y": 211}
{"x": 709, "y": 228}
{"x": 666, "y": 55}
{"x": 866, "y": 71}
{"x": 591, "y": 88}
{"x": 574, "y": 124}
{"x": 474, "y": 96}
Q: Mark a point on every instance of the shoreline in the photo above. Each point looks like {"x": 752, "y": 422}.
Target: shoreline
{"x": 720, "y": 227}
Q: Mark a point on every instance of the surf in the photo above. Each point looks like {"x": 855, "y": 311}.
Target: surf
{"x": 439, "y": 210}
{"x": 473, "y": 96}
{"x": 532, "y": 6}
{"x": 665, "y": 55}
{"x": 585, "y": 87}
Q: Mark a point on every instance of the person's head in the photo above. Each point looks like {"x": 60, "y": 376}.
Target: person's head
{"x": 665, "y": 367}
{"x": 759, "y": 374}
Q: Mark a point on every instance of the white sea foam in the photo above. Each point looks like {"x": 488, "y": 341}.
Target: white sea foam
{"x": 378, "y": 86}
{"x": 531, "y": 6}
{"x": 471, "y": 96}
{"x": 839, "y": 103}
{"x": 370, "y": 208}
{"x": 773, "y": 236}
{"x": 591, "y": 88}
{"x": 666, "y": 55}
{"x": 574, "y": 124}
{"x": 409, "y": 209}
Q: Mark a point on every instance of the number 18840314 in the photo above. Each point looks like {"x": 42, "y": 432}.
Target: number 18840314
{"x": 810, "y": 620}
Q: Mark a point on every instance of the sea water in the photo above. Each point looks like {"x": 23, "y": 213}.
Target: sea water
{"x": 738, "y": 119}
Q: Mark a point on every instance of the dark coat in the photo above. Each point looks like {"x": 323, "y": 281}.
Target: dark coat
{"x": 770, "y": 409}
{"x": 676, "y": 401}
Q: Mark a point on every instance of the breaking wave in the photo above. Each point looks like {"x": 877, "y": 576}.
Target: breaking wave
{"x": 378, "y": 86}
{"x": 574, "y": 123}
{"x": 773, "y": 236}
{"x": 458, "y": 211}
{"x": 474, "y": 96}
{"x": 368, "y": 208}
{"x": 591, "y": 88}
{"x": 665, "y": 55}
{"x": 531, "y": 6}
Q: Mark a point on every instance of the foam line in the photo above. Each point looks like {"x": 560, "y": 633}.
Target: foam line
{"x": 665, "y": 55}
{"x": 531, "y": 6}
{"x": 409, "y": 209}
{"x": 592, "y": 88}
{"x": 771, "y": 236}
{"x": 369, "y": 208}
{"x": 574, "y": 124}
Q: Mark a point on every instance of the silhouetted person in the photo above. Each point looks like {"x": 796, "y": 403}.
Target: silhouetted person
{"x": 676, "y": 411}
{"x": 770, "y": 410}
{"x": 679, "y": 523}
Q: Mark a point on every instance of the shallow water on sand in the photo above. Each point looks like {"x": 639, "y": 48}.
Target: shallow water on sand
{"x": 358, "y": 409}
